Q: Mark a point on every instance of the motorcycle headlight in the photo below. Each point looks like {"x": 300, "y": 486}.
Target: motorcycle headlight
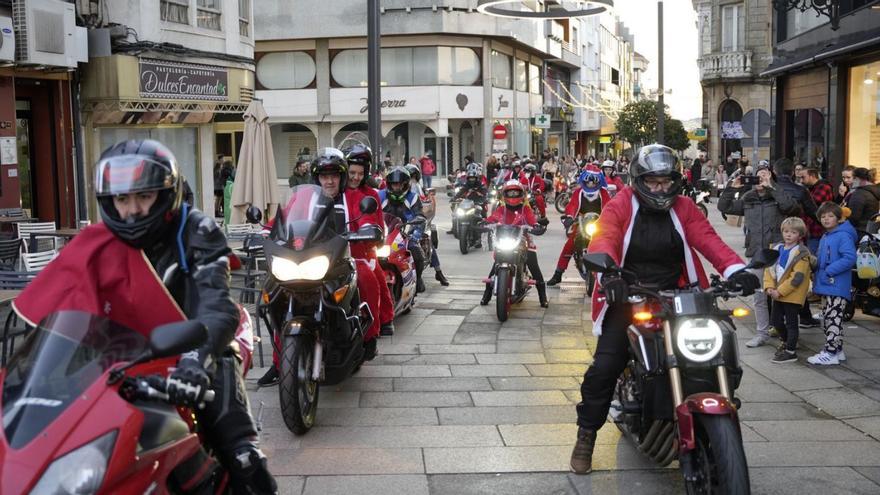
{"x": 286, "y": 270}
{"x": 591, "y": 229}
{"x": 79, "y": 471}
{"x": 507, "y": 244}
{"x": 699, "y": 339}
{"x": 459, "y": 212}
{"x": 384, "y": 251}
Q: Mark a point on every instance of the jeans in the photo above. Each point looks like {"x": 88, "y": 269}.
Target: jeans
{"x": 426, "y": 180}
{"x": 785, "y": 320}
{"x": 762, "y": 311}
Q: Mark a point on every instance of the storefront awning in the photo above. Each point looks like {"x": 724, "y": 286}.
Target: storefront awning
{"x": 784, "y": 63}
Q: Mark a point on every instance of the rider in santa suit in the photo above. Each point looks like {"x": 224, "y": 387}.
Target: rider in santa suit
{"x": 534, "y": 183}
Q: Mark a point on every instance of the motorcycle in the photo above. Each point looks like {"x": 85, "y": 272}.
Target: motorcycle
{"x": 511, "y": 280}
{"x": 313, "y": 306}
{"x": 674, "y": 399}
{"x": 468, "y": 215}
{"x": 585, "y": 228}
{"x": 429, "y": 202}
{"x": 399, "y": 267}
{"x": 85, "y": 408}
{"x": 700, "y": 196}
{"x": 563, "y": 192}
{"x": 865, "y": 291}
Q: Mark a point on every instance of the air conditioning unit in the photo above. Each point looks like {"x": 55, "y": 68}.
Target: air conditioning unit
{"x": 7, "y": 40}
{"x": 46, "y": 34}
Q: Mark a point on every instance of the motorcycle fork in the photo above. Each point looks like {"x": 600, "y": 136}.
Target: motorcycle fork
{"x": 672, "y": 364}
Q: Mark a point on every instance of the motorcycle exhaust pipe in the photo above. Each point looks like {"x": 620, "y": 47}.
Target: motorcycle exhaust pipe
{"x": 319, "y": 360}
{"x": 662, "y": 447}
{"x": 672, "y": 454}
{"x": 651, "y": 437}
{"x": 665, "y": 436}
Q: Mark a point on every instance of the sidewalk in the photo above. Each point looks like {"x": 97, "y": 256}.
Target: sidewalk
{"x": 457, "y": 403}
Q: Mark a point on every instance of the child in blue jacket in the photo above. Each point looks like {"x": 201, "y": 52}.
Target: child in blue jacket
{"x": 837, "y": 257}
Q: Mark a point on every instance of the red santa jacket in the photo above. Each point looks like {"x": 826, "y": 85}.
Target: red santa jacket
{"x": 534, "y": 184}
{"x": 523, "y": 216}
{"x": 574, "y": 206}
{"x": 364, "y": 250}
{"x": 616, "y": 182}
{"x": 615, "y": 230}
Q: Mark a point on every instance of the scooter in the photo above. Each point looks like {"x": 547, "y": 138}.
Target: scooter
{"x": 399, "y": 267}
{"x": 85, "y": 408}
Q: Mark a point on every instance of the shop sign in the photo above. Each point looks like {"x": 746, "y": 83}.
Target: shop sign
{"x": 180, "y": 81}
{"x": 542, "y": 121}
{"x": 384, "y": 104}
{"x": 604, "y": 139}
{"x": 499, "y": 145}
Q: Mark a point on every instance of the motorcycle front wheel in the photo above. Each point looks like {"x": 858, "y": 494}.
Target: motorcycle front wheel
{"x": 298, "y": 393}
{"x": 719, "y": 458}
{"x": 562, "y": 200}
{"x": 463, "y": 239}
{"x": 502, "y": 299}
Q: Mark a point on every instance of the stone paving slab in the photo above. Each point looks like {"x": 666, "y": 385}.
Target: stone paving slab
{"x": 841, "y": 402}
{"x": 553, "y": 434}
{"x": 457, "y": 349}
{"x": 380, "y": 371}
{"x": 568, "y": 356}
{"x": 575, "y": 370}
{"x": 290, "y": 485}
{"x": 805, "y": 454}
{"x": 764, "y": 411}
{"x": 870, "y": 426}
{"x": 455, "y": 384}
{"x": 364, "y": 437}
{"x": 367, "y": 485}
{"x": 441, "y": 359}
{"x": 819, "y": 479}
{"x": 506, "y": 415}
{"x": 765, "y": 392}
{"x": 345, "y": 461}
{"x": 805, "y": 431}
{"x": 793, "y": 377}
{"x": 488, "y": 370}
{"x": 386, "y": 416}
{"x": 534, "y": 383}
{"x": 653, "y": 482}
{"x": 516, "y": 358}
{"x": 563, "y": 342}
{"x": 519, "y": 346}
{"x": 519, "y": 398}
{"x": 428, "y": 370}
{"x": 415, "y": 399}
{"x": 361, "y": 384}
{"x": 507, "y": 483}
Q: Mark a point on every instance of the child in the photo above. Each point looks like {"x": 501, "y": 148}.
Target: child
{"x": 837, "y": 257}
{"x": 788, "y": 282}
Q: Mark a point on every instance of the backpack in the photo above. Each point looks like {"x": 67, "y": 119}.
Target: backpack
{"x": 867, "y": 262}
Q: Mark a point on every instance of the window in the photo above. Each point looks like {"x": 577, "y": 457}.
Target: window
{"x": 501, "y": 77}
{"x": 174, "y": 11}
{"x": 863, "y": 116}
{"x": 522, "y": 75}
{"x": 615, "y": 77}
{"x": 208, "y": 14}
{"x": 797, "y": 22}
{"x": 244, "y": 9}
{"x": 285, "y": 70}
{"x": 535, "y": 83}
{"x": 732, "y": 27}
{"x": 416, "y": 66}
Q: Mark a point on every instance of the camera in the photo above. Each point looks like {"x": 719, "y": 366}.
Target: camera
{"x": 750, "y": 180}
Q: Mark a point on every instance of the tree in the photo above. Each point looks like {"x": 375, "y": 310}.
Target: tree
{"x": 637, "y": 123}
{"x": 675, "y": 135}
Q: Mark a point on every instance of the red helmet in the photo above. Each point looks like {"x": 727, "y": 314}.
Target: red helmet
{"x": 513, "y": 194}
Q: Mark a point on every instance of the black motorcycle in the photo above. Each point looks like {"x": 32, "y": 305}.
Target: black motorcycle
{"x": 675, "y": 398}
{"x": 468, "y": 215}
{"x": 584, "y": 227}
{"x": 314, "y": 309}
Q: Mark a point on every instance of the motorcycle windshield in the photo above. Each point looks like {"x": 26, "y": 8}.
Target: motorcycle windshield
{"x": 304, "y": 218}
{"x": 59, "y": 360}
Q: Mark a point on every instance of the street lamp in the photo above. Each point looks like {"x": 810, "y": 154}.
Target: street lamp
{"x": 496, "y": 8}
{"x": 374, "y": 110}
{"x": 828, "y": 8}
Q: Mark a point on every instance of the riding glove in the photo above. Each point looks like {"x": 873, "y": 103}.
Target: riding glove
{"x": 746, "y": 281}
{"x": 188, "y": 383}
{"x": 615, "y": 289}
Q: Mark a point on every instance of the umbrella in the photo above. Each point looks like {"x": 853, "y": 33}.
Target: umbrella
{"x": 256, "y": 181}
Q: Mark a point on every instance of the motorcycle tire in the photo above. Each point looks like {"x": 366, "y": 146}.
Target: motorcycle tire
{"x": 719, "y": 457}
{"x": 298, "y": 393}
{"x": 502, "y": 299}
{"x": 435, "y": 239}
{"x": 463, "y": 241}
{"x": 591, "y": 281}
{"x": 562, "y": 200}
{"x": 703, "y": 209}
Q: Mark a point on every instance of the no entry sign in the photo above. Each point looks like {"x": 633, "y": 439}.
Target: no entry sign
{"x": 499, "y": 132}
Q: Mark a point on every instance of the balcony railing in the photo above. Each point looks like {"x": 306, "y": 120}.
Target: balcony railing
{"x": 726, "y": 65}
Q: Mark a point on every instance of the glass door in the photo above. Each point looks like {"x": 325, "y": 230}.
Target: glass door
{"x": 23, "y": 128}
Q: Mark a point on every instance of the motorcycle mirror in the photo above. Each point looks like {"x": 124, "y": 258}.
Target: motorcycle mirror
{"x": 543, "y": 221}
{"x": 368, "y": 205}
{"x": 254, "y": 215}
{"x": 600, "y": 262}
{"x": 176, "y": 338}
{"x": 763, "y": 258}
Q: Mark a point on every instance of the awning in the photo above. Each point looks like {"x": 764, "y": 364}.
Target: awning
{"x": 808, "y": 56}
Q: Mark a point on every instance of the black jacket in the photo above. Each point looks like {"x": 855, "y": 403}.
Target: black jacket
{"x": 864, "y": 204}
{"x": 800, "y": 194}
{"x": 475, "y": 193}
{"x": 203, "y": 294}
{"x": 763, "y": 214}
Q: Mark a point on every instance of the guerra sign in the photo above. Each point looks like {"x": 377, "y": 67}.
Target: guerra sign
{"x": 175, "y": 80}
{"x": 384, "y": 104}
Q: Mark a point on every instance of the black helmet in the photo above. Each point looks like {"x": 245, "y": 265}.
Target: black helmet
{"x": 137, "y": 166}
{"x": 360, "y": 154}
{"x": 656, "y": 160}
{"x": 414, "y": 172}
{"x": 330, "y": 161}
{"x": 397, "y": 175}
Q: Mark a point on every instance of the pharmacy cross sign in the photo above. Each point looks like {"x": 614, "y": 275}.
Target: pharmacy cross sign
{"x": 542, "y": 119}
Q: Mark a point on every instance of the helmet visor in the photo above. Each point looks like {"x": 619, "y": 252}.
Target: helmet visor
{"x": 131, "y": 174}
{"x": 657, "y": 162}
{"x": 513, "y": 193}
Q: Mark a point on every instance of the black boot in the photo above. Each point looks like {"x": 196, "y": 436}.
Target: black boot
{"x": 438, "y": 274}
{"x": 487, "y": 295}
{"x": 370, "y": 349}
{"x": 420, "y": 286}
{"x": 270, "y": 378}
{"x": 542, "y": 295}
{"x": 555, "y": 279}
{"x": 387, "y": 329}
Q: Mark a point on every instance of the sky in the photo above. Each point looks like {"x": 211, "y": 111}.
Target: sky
{"x": 680, "y": 45}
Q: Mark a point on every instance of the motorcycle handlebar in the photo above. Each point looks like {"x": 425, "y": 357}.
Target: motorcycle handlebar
{"x": 155, "y": 387}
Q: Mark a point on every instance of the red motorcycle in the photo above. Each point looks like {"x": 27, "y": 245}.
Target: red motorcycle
{"x": 84, "y": 408}
{"x": 400, "y": 269}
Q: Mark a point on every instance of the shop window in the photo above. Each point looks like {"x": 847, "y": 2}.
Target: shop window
{"x": 732, "y": 27}
{"x": 174, "y": 11}
{"x": 285, "y": 70}
{"x": 501, "y": 71}
{"x": 208, "y": 14}
{"x": 863, "y": 116}
{"x": 244, "y": 17}
{"x": 410, "y": 66}
{"x": 805, "y": 136}
{"x": 615, "y": 77}
{"x": 522, "y": 75}
{"x": 535, "y": 83}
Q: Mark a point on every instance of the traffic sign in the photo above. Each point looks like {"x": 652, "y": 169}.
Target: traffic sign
{"x": 542, "y": 120}
{"x": 499, "y": 132}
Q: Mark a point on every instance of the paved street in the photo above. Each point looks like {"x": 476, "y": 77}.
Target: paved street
{"x": 457, "y": 403}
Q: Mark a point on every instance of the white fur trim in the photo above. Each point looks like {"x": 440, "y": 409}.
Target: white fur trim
{"x": 730, "y": 270}
{"x": 597, "y": 324}
{"x": 688, "y": 255}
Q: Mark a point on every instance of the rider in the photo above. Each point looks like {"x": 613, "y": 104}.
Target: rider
{"x": 140, "y": 197}
{"x": 615, "y": 185}
{"x": 429, "y": 208}
{"x": 515, "y": 212}
{"x": 360, "y": 161}
{"x": 590, "y": 196}
{"x": 516, "y": 173}
{"x": 474, "y": 189}
{"x": 656, "y": 234}
{"x": 534, "y": 183}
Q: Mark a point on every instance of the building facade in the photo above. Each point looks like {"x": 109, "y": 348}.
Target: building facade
{"x": 735, "y": 47}
{"x": 827, "y": 87}
{"x": 178, "y": 71}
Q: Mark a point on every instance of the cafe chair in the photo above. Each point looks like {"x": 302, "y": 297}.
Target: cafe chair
{"x": 35, "y": 262}
{"x": 14, "y": 281}
{"x": 10, "y": 251}
{"x": 25, "y": 230}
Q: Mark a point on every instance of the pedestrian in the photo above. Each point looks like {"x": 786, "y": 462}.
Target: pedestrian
{"x": 821, "y": 191}
{"x": 864, "y": 200}
{"x": 218, "y": 187}
{"x": 697, "y": 169}
{"x": 837, "y": 257}
{"x": 428, "y": 169}
{"x": 300, "y": 174}
{"x": 787, "y": 282}
{"x": 845, "y": 187}
{"x": 764, "y": 208}
{"x": 720, "y": 177}
{"x": 550, "y": 168}
{"x": 799, "y": 170}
